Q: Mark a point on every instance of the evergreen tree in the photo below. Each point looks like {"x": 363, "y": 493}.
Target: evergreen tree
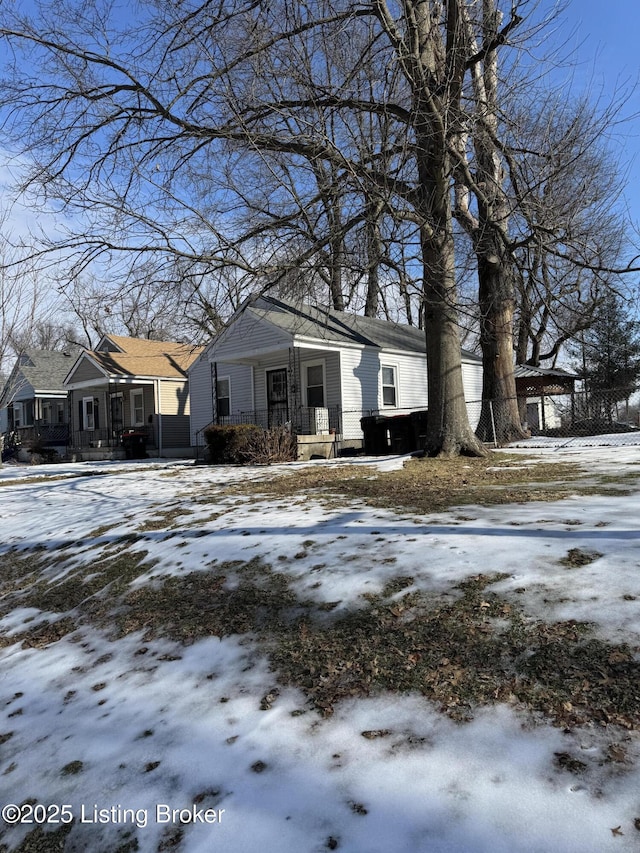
{"x": 609, "y": 354}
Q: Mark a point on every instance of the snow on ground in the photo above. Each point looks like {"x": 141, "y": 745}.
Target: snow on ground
{"x": 124, "y": 731}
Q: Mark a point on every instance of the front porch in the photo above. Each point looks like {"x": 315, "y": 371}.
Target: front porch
{"x": 317, "y": 429}
{"x": 50, "y": 440}
{"x": 105, "y": 443}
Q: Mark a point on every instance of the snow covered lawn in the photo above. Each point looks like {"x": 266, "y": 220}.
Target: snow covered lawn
{"x": 229, "y": 659}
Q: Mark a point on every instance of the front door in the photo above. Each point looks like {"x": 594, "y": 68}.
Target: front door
{"x": 117, "y": 417}
{"x": 277, "y": 398}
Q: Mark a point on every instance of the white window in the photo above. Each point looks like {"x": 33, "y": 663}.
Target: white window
{"x": 47, "y": 417}
{"x": 137, "y": 408}
{"x": 314, "y": 376}
{"x": 223, "y": 397}
{"x": 18, "y": 415}
{"x": 88, "y": 413}
{"x": 389, "y": 385}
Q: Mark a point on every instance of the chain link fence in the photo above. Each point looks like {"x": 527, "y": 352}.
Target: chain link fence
{"x": 581, "y": 417}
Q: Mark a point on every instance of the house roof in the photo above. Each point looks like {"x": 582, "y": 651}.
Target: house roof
{"x": 138, "y": 357}
{"x": 43, "y": 370}
{"x": 305, "y": 321}
{"x": 528, "y": 371}
{"x": 144, "y": 347}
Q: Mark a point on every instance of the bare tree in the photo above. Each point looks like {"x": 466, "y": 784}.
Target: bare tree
{"x": 487, "y": 221}
{"x": 571, "y": 230}
{"x": 263, "y": 138}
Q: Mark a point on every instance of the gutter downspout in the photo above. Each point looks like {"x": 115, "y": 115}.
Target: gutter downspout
{"x": 159, "y": 411}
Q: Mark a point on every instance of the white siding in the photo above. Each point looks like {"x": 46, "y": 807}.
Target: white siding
{"x": 200, "y": 394}
{"x": 472, "y": 382}
{"x": 201, "y": 391}
{"x": 248, "y": 336}
{"x": 241, "y": 386}
{"x": 359, "y": 371}
{"x": 412, "y": 387}
{"x": 274, "y": 361}
{"x": 362, "y": 386}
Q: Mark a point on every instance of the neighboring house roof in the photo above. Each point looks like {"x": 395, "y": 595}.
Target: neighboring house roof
{"x": 307, "y": 322}
{"x": 527, "y": 371}
{"x": 144, "y": 346}
{"x": 141, "y": 358}
{"x": 41, "y": 371}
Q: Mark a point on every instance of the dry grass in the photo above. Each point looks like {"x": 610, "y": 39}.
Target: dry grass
{"x": 429, "y": 485}
{"x": 464, "y": 649}
{"x": 478, "y": 650}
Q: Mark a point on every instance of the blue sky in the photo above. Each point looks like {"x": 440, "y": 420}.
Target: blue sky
{"x": 605, "y": 37}
{"x": 603, "y": 40}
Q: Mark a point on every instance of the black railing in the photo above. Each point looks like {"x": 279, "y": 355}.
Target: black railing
{"x": 96, "y": 438}
{"x": 303, "y": 420}
{"x": 44, "y": 434}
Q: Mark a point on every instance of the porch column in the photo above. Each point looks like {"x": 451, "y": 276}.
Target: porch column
{"x": 158, "y": 408}
{"x": 108, "y": 417}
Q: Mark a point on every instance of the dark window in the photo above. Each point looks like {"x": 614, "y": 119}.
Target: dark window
{"x": 223, "y": 398}
{"x": 315, "y": 385}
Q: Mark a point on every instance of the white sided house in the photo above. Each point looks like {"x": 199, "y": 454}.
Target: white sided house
{"x": 130, "y": 397}
{"x": 320, "y": 372}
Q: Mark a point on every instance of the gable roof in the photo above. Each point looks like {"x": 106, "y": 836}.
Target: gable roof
{"x": 143, "y": 358}
{"x": 305, "y": 321}
{"x": 165, "y": 365}
{"x": 143, "y": 346}
{"x": 43, "y": 370}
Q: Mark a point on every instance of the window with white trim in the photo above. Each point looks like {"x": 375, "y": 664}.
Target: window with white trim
{"x": 314, "y": 375}
{"x": 223, "y": 397}
{"x": 137, "y": 408}
{"x": 389, "y": 385}
{"x": 18, "y": 415}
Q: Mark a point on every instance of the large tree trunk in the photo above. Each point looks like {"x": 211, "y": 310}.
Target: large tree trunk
{"x": 448, "y": 429}
{"x": 500, "y": 418}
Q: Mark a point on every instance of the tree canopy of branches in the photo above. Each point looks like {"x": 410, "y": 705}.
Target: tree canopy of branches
{"x": 569, "y": 232}
{"x": 321, "y": 144}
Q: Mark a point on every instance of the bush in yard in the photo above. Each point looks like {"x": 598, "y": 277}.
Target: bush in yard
{"x": 247, "y": 444}
{"x": 229, "y": 444}
{"x": 273, "y": 445}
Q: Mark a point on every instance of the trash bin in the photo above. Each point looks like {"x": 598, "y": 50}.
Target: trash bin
{"x": 394, "y": 434}
{"x": 419, "y": 422}
{"x": 134, "y": 443}
{"x": 376, "y": 442}
{"x": 401, "y": 434}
